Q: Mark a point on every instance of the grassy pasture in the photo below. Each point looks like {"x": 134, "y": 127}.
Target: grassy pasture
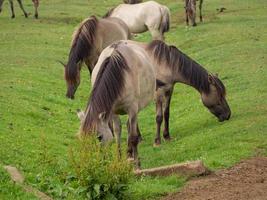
{"x": 36, "y": 120}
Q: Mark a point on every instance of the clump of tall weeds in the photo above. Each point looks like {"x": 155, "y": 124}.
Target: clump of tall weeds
{"x": 93, "y": 171}
{"x": 99, "y": 170}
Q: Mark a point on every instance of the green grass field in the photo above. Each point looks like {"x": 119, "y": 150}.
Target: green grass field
{"x": 37, "y": 120}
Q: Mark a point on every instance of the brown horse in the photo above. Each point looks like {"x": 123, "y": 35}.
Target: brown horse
{"x": 35, "y": 3}
{"x": 91, "y": 37}
{"x": 190, "y": 11}
{"x": 123, "y": 83}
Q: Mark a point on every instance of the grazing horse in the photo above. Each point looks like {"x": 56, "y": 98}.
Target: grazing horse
{"x": 190, "y": 11}
{"x": 145, "y": 16}
{"x": 35, "y": 3}
{"x": 91, "y": 37}
{"x": 173, "y": 66}
{"x": 123, "y": 83}
{"x": 132, "y": 1}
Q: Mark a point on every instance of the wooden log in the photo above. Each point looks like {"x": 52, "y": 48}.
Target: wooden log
{"x": 18, "y": 178}
{"x": 192, "y": 168}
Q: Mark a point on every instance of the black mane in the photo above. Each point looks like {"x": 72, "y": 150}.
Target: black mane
{"x": 180, "y": 62}
{"x": 107, "y": 88}
{"x": 82, "y": 45}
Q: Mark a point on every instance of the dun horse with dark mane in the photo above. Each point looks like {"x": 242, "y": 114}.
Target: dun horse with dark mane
{"x": 91, "y": 37}
{"x": 123, "y": 85}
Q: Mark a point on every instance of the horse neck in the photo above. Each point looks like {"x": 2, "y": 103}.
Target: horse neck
{"x": 191, "y": 73}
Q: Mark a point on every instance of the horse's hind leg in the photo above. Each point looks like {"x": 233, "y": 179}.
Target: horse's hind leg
{"x": 156, "y": 34}
{"x": 1, "y": 3}
{"x": 166, "y": 133}
{"x": 200, "y": 10}
{"x": 22, "y": 8}
{"x": 12, "y": 8}
{"x": 36, "y": 5}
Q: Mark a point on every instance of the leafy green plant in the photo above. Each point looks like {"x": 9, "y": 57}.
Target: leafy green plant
{"x": 98, "y": 170}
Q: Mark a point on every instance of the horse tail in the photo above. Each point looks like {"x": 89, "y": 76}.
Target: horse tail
{"x": 165, "y": 20}
{"x": 81, "y": 46}
{"x": 108, "y": 86}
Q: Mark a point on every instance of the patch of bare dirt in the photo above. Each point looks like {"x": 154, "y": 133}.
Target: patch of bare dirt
{"x": 245, "y": 181}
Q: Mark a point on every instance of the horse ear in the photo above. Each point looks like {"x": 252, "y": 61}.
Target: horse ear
{"x": 102, "y": 116}
{"x": 211, "y": 79}
{"x": 80, "y": 114}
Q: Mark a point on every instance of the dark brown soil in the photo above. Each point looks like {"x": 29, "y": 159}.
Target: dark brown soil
{"x": 245, "y": 181}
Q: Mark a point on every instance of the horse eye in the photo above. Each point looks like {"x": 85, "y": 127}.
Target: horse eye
{"x": 100, "y": 137}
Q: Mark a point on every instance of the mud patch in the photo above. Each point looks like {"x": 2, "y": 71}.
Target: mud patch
{"x": 245, "y": 181}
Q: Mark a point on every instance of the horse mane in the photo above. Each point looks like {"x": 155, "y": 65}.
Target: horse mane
{"x": 81, "y": 46}
{"x": 107, "y": 88}
{"x": 109, "y": 13}
{"x": 181, "y": 63}
{"x": 132, "y": 1}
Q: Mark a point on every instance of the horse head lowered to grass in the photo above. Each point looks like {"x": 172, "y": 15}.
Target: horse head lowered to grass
{"x": 90, "y": 38}
{"x": 129, "y": 74}
{"x": 123, "y": 83}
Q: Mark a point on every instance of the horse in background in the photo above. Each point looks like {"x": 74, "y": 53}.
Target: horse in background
{"x": 190, "y": 11}
{"x": 141, "y": 17}
{"x": 35, "y": 3}
{"x": 90, "y": 38}
{"x": 132, "y": 1}
{"x": 123, "y": 82}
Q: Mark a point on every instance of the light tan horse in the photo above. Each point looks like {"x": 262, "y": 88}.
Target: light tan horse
{"x": 172, "y": 66}
{"x": 123, "y": 83}
{"x": 145, "y": 16}
{"x": 90, "y": 38}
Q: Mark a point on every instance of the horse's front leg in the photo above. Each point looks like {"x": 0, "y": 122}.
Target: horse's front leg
{"x": 200, "y": 10}
{"x": 166, "y": 133}
{"x": 117, "y": 131}
{"x": 12, "y": 8}
{"x": 138, "y": 131}
{"x": 22, "y": 8}
{"x": 159, "y": 118}
{"x": 133, "y": 138}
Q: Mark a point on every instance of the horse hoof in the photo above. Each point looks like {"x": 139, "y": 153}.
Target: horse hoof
{"x": 130, "y": 160}
{"x": 13, "y": 16}
{"x": 167, "y": 138}
{"x": 156, "y": 145}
